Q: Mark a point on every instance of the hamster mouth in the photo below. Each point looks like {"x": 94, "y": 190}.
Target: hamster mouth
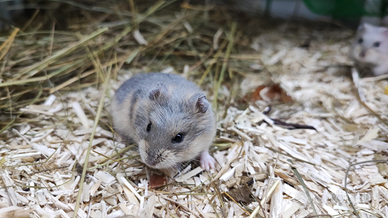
{"x": 162, "y": 160}
{"x": 152, "y": 162}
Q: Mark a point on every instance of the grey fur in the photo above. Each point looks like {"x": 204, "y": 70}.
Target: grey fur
{"x": 173, "y": 105}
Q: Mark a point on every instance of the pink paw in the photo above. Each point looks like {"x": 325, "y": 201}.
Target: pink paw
{"x": 207, "y": 162}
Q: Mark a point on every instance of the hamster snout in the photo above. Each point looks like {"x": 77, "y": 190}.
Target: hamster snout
{"x": 365, "y": 55}
{"x": 358, "y": 52}
{"x": 362, "y": 54}
{"x": 160, "y": 159}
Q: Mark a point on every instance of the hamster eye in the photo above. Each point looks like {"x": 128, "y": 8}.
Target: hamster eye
{"x": 360, "y": 40}
{"x": 149, "y": 127}
{"x": 376, "y": 44}
{"x": 178, "y": 138}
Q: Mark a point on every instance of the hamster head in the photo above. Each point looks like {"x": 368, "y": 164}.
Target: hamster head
{"x": 370, "y": 38}
{"x": 173, "y": 127}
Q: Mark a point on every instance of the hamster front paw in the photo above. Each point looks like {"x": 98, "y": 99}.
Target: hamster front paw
{"x": 380, "y": 70}
{"x": 207, "y": 162}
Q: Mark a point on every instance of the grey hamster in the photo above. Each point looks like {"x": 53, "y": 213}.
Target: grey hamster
{"x": 369, "y": 49}
{"x": 167, "y": 116}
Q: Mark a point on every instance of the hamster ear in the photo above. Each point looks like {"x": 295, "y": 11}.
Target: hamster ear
{"x": 385, "y": 31}
{"x": 361, "y": 28}
{"x": 159, "y": 92}
{"x": 202, "y": 104}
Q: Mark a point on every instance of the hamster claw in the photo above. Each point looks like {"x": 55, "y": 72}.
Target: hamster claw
{"x": 207, "y": 162}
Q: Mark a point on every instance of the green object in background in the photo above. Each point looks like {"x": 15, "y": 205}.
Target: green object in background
{"x": 348, "y": 8}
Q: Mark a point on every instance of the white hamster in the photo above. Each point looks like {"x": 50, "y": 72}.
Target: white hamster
{"x": 369, "y": 50}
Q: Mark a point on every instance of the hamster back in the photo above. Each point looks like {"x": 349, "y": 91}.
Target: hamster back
{"x": 167, "y": 116}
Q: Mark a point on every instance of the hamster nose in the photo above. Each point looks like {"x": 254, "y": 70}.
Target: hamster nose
{"x": 362, "y": 54}
{"x": 151, "y": 162}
